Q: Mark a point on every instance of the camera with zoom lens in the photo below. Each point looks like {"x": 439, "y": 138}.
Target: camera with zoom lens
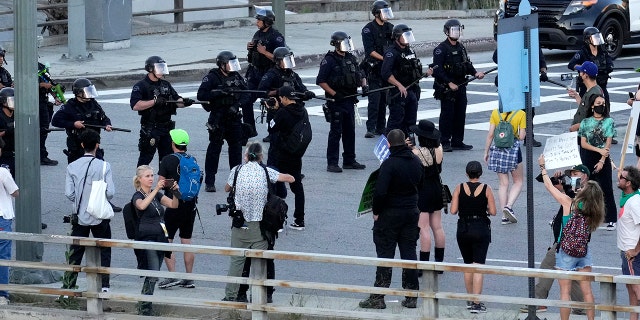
{"x": 229, "y": 206}
{"x": 268, "y": 103}
{"x": 72, "y": 218}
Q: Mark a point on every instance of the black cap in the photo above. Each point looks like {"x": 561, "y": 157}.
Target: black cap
{"x": 287, "y": 91}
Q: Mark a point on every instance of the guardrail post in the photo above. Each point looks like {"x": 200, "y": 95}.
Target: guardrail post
{"x": 259, "y": 292}
{"x": 94, "y": 280}
{"x": 178, "y": 17}
{"x": 430, "y": 285}
{"x": 608, "y": 296}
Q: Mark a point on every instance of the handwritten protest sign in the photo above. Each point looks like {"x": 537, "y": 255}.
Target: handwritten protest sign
{"x": 366, "y": 202}
{"x": 562, "y": 151}
{"x": 635, "y": 112}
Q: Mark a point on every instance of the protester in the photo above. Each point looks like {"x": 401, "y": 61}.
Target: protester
{"x": 589, "y": 202}
{"x": 8, "y": 189}
{"x": 473, "y": 202}
{"x": 149, "y": 204}
{"x": 507, "y": 160}
{"x": 395, "y": 217}
{"x": 629, "y": 230}
{"x": 430, "y": 194}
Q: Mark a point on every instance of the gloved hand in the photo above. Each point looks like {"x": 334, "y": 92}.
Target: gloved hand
{"x": 309, "y": 95}
{"x": 159, "y": 101}
{"x": 187, "y": 101}
{"x": 338, "y": 96}
{"x": 365, "y": 91}
{"x": 234, "y": 109}
{"x": 544, "y": 77}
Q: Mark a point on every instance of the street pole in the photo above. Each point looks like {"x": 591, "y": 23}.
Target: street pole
{"x": 27, "y": 140}
{"x": 278, "y": 9}
{"x": 77, "y": 35}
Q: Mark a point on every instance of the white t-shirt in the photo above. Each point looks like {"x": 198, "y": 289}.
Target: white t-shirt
{"x": 628, "y": 225}
{"x": 6, "y": 200}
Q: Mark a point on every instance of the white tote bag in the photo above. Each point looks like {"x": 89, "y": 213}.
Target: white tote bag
{"x": 98, "y": 206}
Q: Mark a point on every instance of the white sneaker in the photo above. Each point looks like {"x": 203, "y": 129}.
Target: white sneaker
{"x": 105, "y": 289}
{"x": 508, "y": 213}
{"x": 4, "y": 301}
{"x": 611, "y": 226}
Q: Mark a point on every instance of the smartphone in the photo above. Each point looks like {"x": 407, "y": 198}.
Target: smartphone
{"x": 632, "y": 95}
{"x": 566, "y": 76}
{"x": 168, "y": 182}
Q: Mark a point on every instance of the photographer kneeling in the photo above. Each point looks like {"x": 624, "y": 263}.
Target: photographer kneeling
{"x": 248, "y": 188}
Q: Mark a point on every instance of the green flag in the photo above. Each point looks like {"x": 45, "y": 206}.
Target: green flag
{"x": 366, "y": 202}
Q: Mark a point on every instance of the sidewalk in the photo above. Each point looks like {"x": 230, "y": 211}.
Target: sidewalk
{"x": 190, "y": 54}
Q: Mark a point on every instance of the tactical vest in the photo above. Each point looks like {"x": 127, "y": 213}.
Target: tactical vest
{"x": 257, "y": 59}
{"x": 89, "y": 112}
{"x": 344, "y": 75}
{"x": 287, "y": 78}
{"x": 456, "y": 61}
{"x": 382, "y": 37}
{"x": 600, "y": 61}
{"x": 158, "y": 114}
{"x": 232, "y": 81}
{"x": 9, "y": 136}
{"x": 408, "y": 67}
{"x": 5, "y": 77}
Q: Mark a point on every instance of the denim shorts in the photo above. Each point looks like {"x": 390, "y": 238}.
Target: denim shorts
{"x": 569, "y": 263}
{"x": 630, "y": 268}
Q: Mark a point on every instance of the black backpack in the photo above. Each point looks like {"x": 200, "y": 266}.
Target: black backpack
{"x": 274, "y": 215}
{"x": 131, "y": 220}
{"x": 298, "y": 140}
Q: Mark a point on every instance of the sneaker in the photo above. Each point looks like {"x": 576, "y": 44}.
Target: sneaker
{"x": 105, "y": 289}
{"x": 461, "y": 146}
{"x": 611, "y": 226}
{"x": 614, "y": 141}
{"x": 372, "y": 303}
{"x": 536, "y": 143}
{"x": 228, "y": 299}
{"x": 187, "y": 284}
{"x": 478, "y": 308}
{"x": 297, "y": 226}
{"x": 539, "y": 309}
{"x": 410, "y": 302}
{"x": 115, "y": 208}
{"x": 355, "y": 165}
{"x": 210, "y": 188}
{"x": 241, "y": 298}
{"x": 266, "y": 139}
{"x": 334, "y": 168}
{"x": 446, "y": 147}
{"x": 4, "y": 301}
{"x": 469, "y": 305}
{"x": 168, "y": 283}
{"x": 48, "y": 162}
{"x": 505, "y": 221}
{"x": 508, "y": 213}
{"x": 369, "y": 134}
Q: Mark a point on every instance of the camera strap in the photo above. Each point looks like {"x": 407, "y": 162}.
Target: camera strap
{"x": 83, "y": 184}
{"x": 232, "y": 193}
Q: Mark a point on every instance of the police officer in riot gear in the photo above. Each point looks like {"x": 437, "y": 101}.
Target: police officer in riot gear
{"x": 45, "y": 112}
{"x": 78, "y": 112}
{"x": 282, "y": 74}
{"x": 376, "y": 38}
{"x": 340, "y": 76}
{"x": 224, "y": 113}
{"x": 402, "y": 69}
{"x": 593, "y": 51}
{"x": 7, "y": 130}
{"x": 5, "y": 76}
{"x": 451, "y": 65}
{"x": 260, "y": 58}
{"x": 150, "y": 98}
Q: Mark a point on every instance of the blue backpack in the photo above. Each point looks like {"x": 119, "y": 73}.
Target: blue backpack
{"x": 190, "y": 176}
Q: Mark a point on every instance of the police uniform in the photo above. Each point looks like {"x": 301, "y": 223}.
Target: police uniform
{"x": 5, "y": 77}
{"x": 451, "y": 64}
{"x": 258, "y": 66}
{"x": 155, "y": 122}
{"x": 224, "y": 118}
{"x": 376, "y": 38}
{"x": 405, "y": 66}
{"x": 8, "y": 158}
{"x": 342, "y": 74}
{"x": 605, "y": 66}
{"x": 91, "y": 113}
{"x": 45, "y": 111}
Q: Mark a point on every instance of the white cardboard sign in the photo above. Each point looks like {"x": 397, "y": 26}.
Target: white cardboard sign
{"x": 562, "y": 151}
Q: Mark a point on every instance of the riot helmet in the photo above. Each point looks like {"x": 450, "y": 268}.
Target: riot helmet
{"x": 228, "y": 59}
{"x": 342, "y": 41}
{"x": 156, "y": 65}
{"x": 453, "y": 29}
{"x": 285, "y": 56}
{"x": 381, "y": 8}
{"x": 7, "y": 99}
{"x": 403, "y": 34}
{"x": 592, "y": 35}
{"x": 2, "y": 54}
{"x": 266, "y": 16}
{"x": 83, "y": 88}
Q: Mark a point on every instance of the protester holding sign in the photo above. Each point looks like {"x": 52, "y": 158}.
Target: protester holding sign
{"x": 596, "y": 132}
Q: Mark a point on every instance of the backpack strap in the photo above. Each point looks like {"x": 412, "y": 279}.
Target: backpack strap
{"x": 268, "y": 182}
{"x": 83, "y": 184}
{"x": 232, "y": 193}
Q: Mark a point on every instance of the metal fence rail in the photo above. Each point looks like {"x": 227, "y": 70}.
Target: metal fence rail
{"x": 430, "y": 294}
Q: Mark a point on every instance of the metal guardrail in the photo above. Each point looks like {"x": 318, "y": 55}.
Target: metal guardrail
{"x": 430, "y": 293}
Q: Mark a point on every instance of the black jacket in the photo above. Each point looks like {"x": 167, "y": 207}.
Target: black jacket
{"x": 281, "y": 125}
{"x": 398, "y": 181}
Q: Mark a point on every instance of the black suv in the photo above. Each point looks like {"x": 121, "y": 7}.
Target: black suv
{"x": 561, "y": 22}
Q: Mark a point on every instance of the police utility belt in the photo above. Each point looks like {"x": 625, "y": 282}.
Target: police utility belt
{"x": 159, "y": 125}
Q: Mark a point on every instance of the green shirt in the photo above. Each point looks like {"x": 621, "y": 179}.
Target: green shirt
{"x": 597, "y": 131}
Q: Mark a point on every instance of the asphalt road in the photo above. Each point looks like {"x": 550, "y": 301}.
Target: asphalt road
{"x": 332, "y": 199}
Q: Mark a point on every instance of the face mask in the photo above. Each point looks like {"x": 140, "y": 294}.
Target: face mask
{"x": 599, "y": 109}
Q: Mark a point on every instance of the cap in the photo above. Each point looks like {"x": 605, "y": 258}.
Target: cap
{"x": 579, "y": 167}
{"x": 474, "y": 167}
{"x": 589, "y": 68}
{"x": 179, "y": 137}
{"x": 287, "y": 91}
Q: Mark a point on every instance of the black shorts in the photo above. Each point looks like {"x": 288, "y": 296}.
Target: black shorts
{"x": 473, "y": 240}
{"x": 181, "y": 218}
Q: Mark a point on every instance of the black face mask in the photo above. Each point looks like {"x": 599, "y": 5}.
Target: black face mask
{"x": 599, "y": 109}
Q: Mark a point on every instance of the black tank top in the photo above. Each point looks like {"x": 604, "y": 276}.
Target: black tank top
{"x": 470, "y": 205}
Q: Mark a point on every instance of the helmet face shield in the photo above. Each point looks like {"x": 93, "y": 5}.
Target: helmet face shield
{"x": 346, "y": 45}
{"x": 596, "y": 39}
{"x": 407, "y": 37}
{"x": 455, "y": 32}
{"x": 160, "y": 68}
{"x": 288, "y": 62}
{"x": 233, "y": 65}
{"x": 386, "y": 14}
{"x": 89, "y": 92}
{"x": 11, "y": 104}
